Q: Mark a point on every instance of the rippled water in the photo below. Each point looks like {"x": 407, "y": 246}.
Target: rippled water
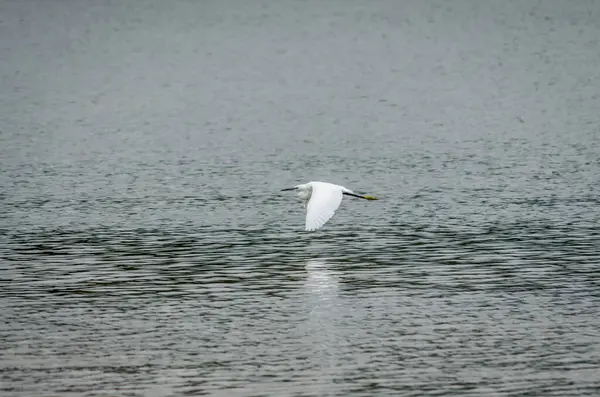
{"x": 146, "y": 248}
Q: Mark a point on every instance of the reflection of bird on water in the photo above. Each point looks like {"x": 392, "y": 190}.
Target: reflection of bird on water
{"x": 323, "y": 318}
{"x": 319, "y": 276}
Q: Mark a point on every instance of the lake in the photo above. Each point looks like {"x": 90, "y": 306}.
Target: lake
{"x": 146, "y": 248}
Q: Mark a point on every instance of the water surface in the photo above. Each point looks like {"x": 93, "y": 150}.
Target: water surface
{"x": 146, "y": 250}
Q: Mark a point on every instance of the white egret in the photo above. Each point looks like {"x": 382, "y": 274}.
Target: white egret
{"x": 321, "y": 200}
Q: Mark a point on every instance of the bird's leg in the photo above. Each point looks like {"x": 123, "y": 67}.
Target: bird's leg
{"x": 359, "y": 196}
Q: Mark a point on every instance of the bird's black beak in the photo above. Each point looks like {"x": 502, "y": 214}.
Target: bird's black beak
{"x": 289, "y": 188}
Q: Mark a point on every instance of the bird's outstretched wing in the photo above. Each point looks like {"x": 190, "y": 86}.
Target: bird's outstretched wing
{"x": 324, "y": 201}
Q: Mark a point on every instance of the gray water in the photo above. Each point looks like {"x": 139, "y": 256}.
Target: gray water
{"x": 146, "y": 248}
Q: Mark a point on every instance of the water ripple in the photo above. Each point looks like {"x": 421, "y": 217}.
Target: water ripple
{"x": 146, "y": 248}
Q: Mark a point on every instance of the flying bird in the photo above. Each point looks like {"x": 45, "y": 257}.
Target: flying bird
{"x": 321, "y": 200}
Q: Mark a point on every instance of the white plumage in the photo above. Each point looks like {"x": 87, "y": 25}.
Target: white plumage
{"x": 321, "y": 200}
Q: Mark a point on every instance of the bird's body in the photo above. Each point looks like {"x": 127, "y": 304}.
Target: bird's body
{"x": 321, "y": 200}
